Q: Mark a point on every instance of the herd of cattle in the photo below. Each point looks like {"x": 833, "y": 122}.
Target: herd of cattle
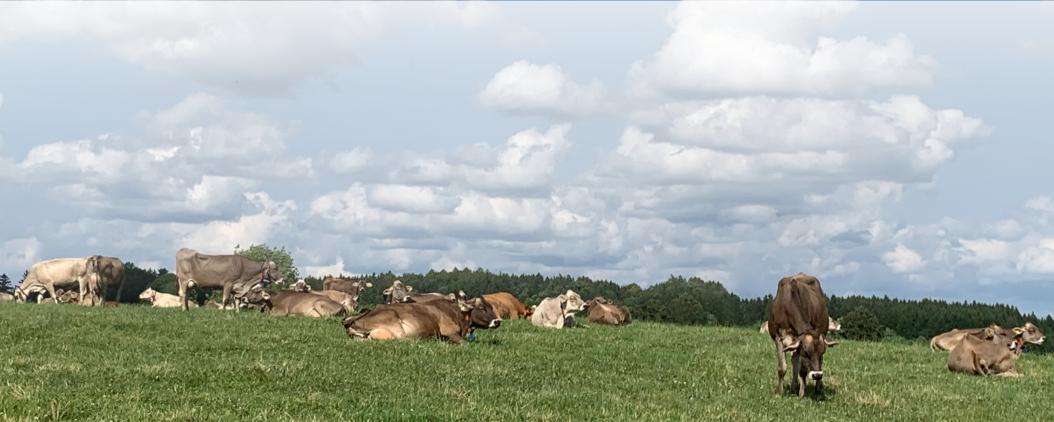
{"x": 798, "y": 320}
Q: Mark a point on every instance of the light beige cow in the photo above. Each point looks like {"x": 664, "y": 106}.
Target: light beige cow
{"x": 558, "y": 312}
{"x": 162, "y": 300}
{"x": 69, "y": 273}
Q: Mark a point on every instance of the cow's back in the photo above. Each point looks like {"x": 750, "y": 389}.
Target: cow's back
{"x": 799, "y": 306}
{"x": 59, "y": 272}
{"x": 506, "y": 306}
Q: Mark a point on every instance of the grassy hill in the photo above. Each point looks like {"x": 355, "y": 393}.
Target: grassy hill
{"x": 138, "y": 363}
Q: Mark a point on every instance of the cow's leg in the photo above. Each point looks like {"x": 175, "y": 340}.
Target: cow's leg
{"x": 50, "y": 287}
{"x": 781, "y": 365}
{"x": 796, "y": 373}
{"x": 182, "y": 293}
{"x": 227, "y": 296}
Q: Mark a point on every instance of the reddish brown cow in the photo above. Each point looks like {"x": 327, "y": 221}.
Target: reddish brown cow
{"x": 507, "y": 306}
{"x": 798, "y": 323}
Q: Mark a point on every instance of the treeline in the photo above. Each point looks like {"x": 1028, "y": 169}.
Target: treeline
{"x": 678, "y": 300}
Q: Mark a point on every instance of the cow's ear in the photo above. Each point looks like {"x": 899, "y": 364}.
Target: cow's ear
{"x": 409, "y": 288}
{"x": 452, "y": 297}
{"x": 563, "y": 298}
{"x": 790, "y": 345}
{"x": 368, "y": 284}
{"x": 477, "y": 302}
{"x": 989, "y": 333}
{"x": 387, "y": 291}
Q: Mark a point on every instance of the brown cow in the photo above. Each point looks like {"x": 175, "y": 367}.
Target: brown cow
{"x": 451, "y": 320}
{"x": 346, "y": 300}
{"x": 286, "y": 302}
{"x": 603, "y": 312}
{"x": 947, "y": 341}
{"x": 347, "y": 285}
{"x": 507, "y": 306}
{"x": 798, "y": 323}
{"x": 992, "y": 352}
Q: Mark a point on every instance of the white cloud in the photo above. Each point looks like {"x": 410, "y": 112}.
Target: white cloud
{"x": 17, "y": 255}
{"x": 523, "y": 87}
{"x": 903, "y": 259}
{"x": 220, "y": 236}
{"x": 351, "y": 161}
{"x": 730, "y": 48}
{"x": 1039, "y": 258}
{"x": 982, "y": 251}
{"x": 334, "y": 269}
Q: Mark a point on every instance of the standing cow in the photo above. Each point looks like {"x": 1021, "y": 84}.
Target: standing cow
{"x": 68, "y": 273}
{"x": 110, "y": 273}
{"x": 233, "y": 273}
{"x": 798, "y": 323}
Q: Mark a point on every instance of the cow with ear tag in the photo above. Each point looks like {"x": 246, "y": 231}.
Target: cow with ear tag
{"x": 798, "y": 323}
{"x": 558, "y": 312}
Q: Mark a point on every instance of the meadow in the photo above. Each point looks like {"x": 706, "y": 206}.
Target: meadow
{"x": 62, "y": 362}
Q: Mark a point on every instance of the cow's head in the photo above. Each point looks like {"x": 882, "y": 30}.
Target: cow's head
{"x": 483, "y": 315}
{"x": 572, "y": 302}
{"x": 1030, "y": 333}
{"x": 255, "y": 297}
{"x": 833, "y": 325}
{"x": 810, "y": 349}
{"x": 272, "y": 274}
{"x": 398, "y": 292}
{"x": 148, "y": 294}
{"x": 301, "y": 286}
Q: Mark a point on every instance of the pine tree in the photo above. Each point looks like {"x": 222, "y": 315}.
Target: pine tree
{"x": 5, "y": 283}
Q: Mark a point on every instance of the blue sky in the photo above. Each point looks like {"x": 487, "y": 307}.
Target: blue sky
{"x": 889, "y": 148}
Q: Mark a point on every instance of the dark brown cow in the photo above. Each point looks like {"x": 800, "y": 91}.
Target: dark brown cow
{"x": 798, "y": 323}
{"x": 603, "y": 312}
{"x": 507, "y": 306}
{"x": 286, "y": 302}
{"x": 111, "y": 274}
{"x": 233, "y": 273}
{"x": 451, "y": 320}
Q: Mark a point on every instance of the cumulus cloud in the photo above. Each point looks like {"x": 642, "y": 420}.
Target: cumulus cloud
{"x": 191, "y": 161}
{"x": 263, "y": 48}
{"x": 727, "y": 48}
{"x": 903, "y": 259}
{"x": 355, "y": 160}
{"x": 528, "y": 88}
{"x": 19, "y": 253}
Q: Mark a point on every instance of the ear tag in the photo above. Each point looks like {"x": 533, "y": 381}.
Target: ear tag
{"x": 472, "y": 336}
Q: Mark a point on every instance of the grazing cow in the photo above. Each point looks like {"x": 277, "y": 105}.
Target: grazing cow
{"x": 6, "y": 297}
{"x": 507, "y": 306}
{"x": 451, "y": 320}
{"x": 346, "y": 300}
{"x": 832, "y": 325}
{"x": 947, "y": 341}
{"x": 350, "y": 286}
{"x": 798, "y": 323}
{"x": 603, "y": 312}
{"x": 67, "y": 273}
{"x": 283, "y": 303}
{"x": 558, "y": 312}
{"x": 994, "y": 356}
{"x": 161, "y": 300}
{"x": 235, "y": 274}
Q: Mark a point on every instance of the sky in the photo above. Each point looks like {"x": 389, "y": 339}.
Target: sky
{"x": 895, "y": 149}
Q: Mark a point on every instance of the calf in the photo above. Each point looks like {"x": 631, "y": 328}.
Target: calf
{"x": 287, "y": 302}
{"x": 507, "y": 306}
{"x": 162, "y": 300}
{"x": 798, "y": 323}
{"x": 603, "y": 312}
{"x": 995, "y": 355}
{"x": 558, "y": 312}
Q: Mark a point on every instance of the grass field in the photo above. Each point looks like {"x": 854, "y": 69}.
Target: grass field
{"x": 138, "y": 363}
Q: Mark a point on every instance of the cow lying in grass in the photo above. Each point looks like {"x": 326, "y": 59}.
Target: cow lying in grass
{"x": 991, "y": 352}
{"x": 286, "y": 302}
{"x": 452, "y": 319}
{"x": 558, "y": 312}
{"x": 603, "y": 312}
{"x": 947, "y": 341}
{"x": 162, "y": 300}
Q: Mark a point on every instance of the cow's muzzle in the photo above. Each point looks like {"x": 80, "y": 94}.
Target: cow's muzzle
{"x": 816, "y": 375}
{"x": 494, "y": 323}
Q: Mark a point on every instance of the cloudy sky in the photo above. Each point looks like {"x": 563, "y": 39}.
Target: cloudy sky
{"x": 896, "y": 149}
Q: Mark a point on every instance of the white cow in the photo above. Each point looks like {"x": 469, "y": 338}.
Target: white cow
{"x": 68, "y": 273}
{"x": 162, "y": 300}
{"x": 557, "y": 312}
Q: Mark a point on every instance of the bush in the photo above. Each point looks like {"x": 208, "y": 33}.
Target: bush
{"x": 861, "y": 324}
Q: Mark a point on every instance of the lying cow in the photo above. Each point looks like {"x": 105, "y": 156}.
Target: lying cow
{"x": 452, "y": 320}
{"x": 798, "y": 323}
{"x": 402, "y": 293}
{"x": 350, "y": 286}
{"x": 603, "y": 312}
{"x": 558, "y": 312}
{"x": 283, "y": 303}
{"x": 6, "y": 297}
{"x": 235, "y": 274}
{"x": 68, "y": 273}
{"x": 832, "y": 326}
{"x": 301, "y": 286}
{"x": 346, "y": 300}
{"x": 161, "y": 300}
{"x": 507, "y": 306}
{"x": 947, "y": 341}
{"x": 995, "y": 355}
